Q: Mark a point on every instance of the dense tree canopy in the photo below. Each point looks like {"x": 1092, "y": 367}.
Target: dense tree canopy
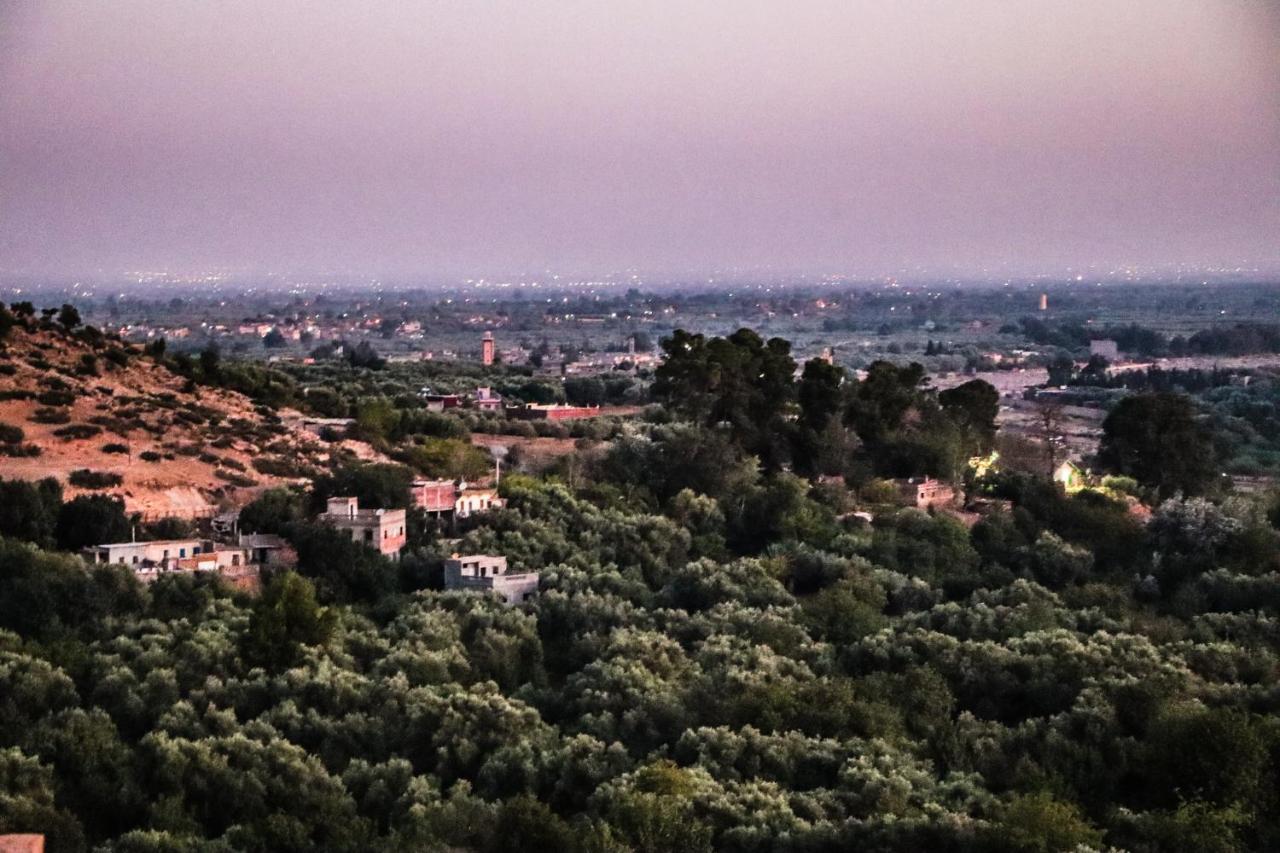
{"x": 1157, "y": 440}
{"x": 723, "y": 655}
{"x": 741, "y": 382}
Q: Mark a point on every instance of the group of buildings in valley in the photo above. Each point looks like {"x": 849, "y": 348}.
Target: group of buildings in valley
{"x": 484, "y": 399}
{"x": 290, "y": 338}
{"x": 382, "y": 530}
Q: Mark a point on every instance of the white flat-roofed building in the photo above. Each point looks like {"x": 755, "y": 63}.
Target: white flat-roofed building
{"x": 476, "y": 499}
{"x": 139, "y": 553}
{"x": 489, "y": 573}
{"x": 149, "y": 560}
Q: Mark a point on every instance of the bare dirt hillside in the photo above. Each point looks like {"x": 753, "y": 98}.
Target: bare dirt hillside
{"x": 179, "y": 449}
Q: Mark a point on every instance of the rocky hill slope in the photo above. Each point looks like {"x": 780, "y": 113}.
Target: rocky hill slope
{"x": 100, "y": 415}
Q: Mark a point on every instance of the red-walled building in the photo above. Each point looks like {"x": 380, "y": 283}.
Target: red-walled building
{"x": 434, "y": 496}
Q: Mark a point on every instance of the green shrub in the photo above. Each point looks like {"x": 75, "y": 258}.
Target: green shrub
{"x": 51, "y": 415}
{"x": 19, "y": 450}
{"x": 77, "y": 431}
{"x": 274, "y": 466}
{"x": 56, "y": 397}
{"x": 234, "y": 479}
{"x": 86, "y": 479}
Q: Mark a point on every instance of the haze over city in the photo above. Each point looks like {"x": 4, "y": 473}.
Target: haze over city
{"x": 460, "y": 139}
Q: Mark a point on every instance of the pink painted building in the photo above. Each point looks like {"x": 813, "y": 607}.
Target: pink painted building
{"x": 380, "y": 529}
{"x": 435, "y": 497}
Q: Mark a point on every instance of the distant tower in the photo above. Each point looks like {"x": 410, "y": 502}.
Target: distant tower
{"x": 631, "y": 345}
{"x": 486, "y": 349}
{"x": 1044, "y": 302}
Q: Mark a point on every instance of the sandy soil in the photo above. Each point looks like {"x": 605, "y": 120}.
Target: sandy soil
{"x": 184, "y": 485}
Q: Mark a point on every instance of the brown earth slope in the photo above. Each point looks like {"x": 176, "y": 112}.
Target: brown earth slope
{"x": 181, "y": 449}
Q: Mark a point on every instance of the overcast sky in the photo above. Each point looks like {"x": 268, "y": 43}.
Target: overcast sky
{"x": 469, "y": 137}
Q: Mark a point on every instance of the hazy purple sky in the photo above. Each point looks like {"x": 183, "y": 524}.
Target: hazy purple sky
{"x": 475, "y": 136}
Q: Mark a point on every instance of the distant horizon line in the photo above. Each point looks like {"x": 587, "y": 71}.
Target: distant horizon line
{"x": 636, "y": 276}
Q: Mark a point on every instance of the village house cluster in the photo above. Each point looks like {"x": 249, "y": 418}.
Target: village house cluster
{"x": 150, "y": 559}
{"x": 244, "y": 555}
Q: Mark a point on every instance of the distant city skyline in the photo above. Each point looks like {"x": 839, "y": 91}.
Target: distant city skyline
{"x": 452, "y": 140}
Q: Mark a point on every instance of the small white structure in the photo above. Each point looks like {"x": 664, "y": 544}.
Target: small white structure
{"x": 488, "y": 573}
{"x": 476, "y": 499}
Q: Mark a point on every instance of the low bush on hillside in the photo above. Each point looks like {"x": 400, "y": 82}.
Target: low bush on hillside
{"x": 10, "y": 434}
{"x": 235, "y": 479}
{"x": 115, "y": 447}
{"x": 86, "y": 479}
{"x": 76, "y": 432}
{"x": 56, "y": 397}
{"x": 20, "y": 450}
{"x": 274, "y": 466}
{"x": 88, "y": 365}
{"x": 120, "y": 426}
{"x": 51, "y": 415}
